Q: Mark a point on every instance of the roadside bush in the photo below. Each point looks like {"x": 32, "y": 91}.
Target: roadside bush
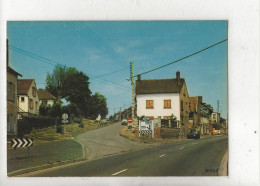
{"x": 27, "y": 124}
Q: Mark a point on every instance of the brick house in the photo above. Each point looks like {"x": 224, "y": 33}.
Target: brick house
{"x": 163, "y": 98}
{"x": 28, "y": 101}
{"x": 194, "y": 111}
{"x": 199, "y": 116}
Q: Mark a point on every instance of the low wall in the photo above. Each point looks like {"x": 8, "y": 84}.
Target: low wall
{"x": 161, "y": 132}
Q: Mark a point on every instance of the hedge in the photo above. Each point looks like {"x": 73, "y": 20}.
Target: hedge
{"x": 27, "y": 124}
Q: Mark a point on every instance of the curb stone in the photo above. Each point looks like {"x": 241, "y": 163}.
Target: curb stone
{"x": 41, "y": 167}
{"x": 223, "y": 169}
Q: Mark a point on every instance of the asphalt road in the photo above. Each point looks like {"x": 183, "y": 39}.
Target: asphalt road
{"x": 188, "y": 158}
{"x": 106, "y": 141}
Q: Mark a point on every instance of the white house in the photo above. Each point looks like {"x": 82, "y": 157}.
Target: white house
{"x": 163, "y": 98}
{"x": 46, "y": 98}
{"x": 28, "y": 101}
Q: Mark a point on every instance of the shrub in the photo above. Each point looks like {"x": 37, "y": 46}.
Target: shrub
{"x": 27, "y": 124}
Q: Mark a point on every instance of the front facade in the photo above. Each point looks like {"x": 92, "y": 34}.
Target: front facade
{"x": 194, "y": 111}
{"x": 163, "y": 98}
{"x": 215, "y": 118}
{"x": 46, "y": 98}
{"x": 200, "y": 113}
{"x": 28, "y": 101}
{"x": 12, "y": 77}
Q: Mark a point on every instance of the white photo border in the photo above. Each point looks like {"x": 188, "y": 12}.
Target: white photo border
{"x": 243, "y": 75}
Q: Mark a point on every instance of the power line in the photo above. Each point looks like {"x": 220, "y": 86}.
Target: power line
{"x": 93, "y": 39}
{"x": 183, "y": 57}
{"x": 100, "y": 41}
{"x": 112, "y": 72}
{"x": 51, "y": 62}
{"x": 112, "y": 50}
{"x": 34, "y": 56}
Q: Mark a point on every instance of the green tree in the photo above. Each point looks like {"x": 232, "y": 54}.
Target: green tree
{"x": 55, "y": 82}
{"x": 99, "y": 105}
{"x": 77, "y": 92}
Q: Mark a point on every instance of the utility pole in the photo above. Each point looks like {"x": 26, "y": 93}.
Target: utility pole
{"x": 133, "y": 88}
{"x": 218, "y": 105}
{"x": 120, "y": 115}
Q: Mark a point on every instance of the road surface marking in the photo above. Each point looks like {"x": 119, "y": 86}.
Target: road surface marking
{"x": 119, "y": 172}
{"x": 181, "y": 148}
{"x": 162, "y": 155}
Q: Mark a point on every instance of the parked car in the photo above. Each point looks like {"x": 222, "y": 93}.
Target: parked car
{"x": 216, "y": 132}
{"x": 193, "y": 135}
{"x": 124, "y": 122}
{"x": 103, "y": 121}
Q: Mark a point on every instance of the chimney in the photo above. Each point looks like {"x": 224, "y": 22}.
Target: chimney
{"x": 139, "y": 77}
{"x": 200, "y": 99}
{"x": 178, "y": 77}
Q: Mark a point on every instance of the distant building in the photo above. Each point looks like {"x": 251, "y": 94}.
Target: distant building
{"x": 199, "y": 116}
{"x": 163, "y": 98}
{"x": 194, "y": 111}
{"x": 46, "y": 98}
{"x": 28, "y": 101}
{"x": 215, "y": 118}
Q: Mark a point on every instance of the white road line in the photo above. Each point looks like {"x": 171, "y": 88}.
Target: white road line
{"x": 119, "y": 172}
{"x": 181, "y": 148}
{"x": 162, "y": 155}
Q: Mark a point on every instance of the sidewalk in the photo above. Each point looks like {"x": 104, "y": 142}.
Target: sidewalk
{"x": 45, "y": 154}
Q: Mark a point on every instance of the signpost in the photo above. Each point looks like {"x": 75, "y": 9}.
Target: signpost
{"x": 64, "y": 121}
{"x": 22, "y": 142}
{"x": 146, "y": 127}
{"x": 129, "y": 120}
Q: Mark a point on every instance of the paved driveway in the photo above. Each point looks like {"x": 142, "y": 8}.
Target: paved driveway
{"x": 107, "y": 141}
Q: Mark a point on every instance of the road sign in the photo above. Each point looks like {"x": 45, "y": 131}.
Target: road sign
{"x": 64, "y": 116}
{"x": 65, "y": 121}
{"x": 130, "y": 120}
{"x": 23, "y": 142}
{"x": 146, "y": 127}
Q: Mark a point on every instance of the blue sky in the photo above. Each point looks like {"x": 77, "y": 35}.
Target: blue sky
{"x": 104, "y": 49}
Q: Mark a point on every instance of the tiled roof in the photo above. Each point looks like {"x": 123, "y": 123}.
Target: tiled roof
{"x": 155, "y": 86}
{"x": 23, "y": 86}
{"x": 45, "y": 95}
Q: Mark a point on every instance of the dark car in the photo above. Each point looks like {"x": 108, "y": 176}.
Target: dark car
{"x": 193, "y": 135}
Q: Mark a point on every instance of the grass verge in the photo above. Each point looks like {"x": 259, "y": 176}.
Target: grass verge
{"x": 69, "y": 131}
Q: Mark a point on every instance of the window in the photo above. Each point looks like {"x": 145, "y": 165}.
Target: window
{"x": 34, "y": 91}
{"x": 149, "y": 104}
{"x": 181, "y": 105}
{"x": 10, "y": 91}
{"x": 167, "y": 103}
{"x": 36, "y": 104}
{"x": 31, "y": 104}
{"x": 22, "y": 99}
